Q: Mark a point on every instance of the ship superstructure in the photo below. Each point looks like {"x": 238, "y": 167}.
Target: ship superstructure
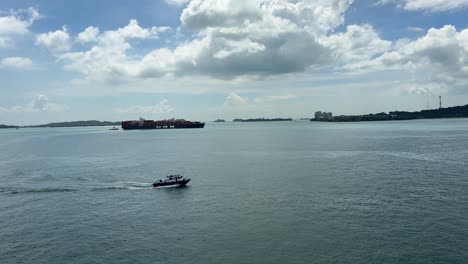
{"x": 160, "y": 124}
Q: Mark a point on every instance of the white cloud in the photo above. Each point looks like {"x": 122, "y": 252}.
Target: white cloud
{"x": 12, "y": 25}
{"x": 162, "y": 107}
{"x": 273, "y": 98}
{"x": 441, "y": 53}
{"x": 427, "y": 89}
{"x": 236, "y": 105}
{"x": 16, "y": 23}
{"x": 107, "y": 59}
{"x": 358, "y": 43}
{"x": 88, "y": 35}
{"x": 133, "y": 30}
{"x": 233, "y": 100}
{"x": 428, "y": 5}
{"x": 56, "y": 41}
{"x": 232, "y": 39}
{"x": 40, "y": 103}
{"x": 416, "y": 29}
{"x": 177, "y": 2}
{"x": 16, "y": 63}
{"x": 434, "y": 5}
{"x": 251, "y": 39}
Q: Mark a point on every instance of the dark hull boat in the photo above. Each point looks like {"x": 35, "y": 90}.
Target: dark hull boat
{"x": 172, "y": 180}
{"x": 176, "y": 183}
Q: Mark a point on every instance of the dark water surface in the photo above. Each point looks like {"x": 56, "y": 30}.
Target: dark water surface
{"x": 295, "y": 192}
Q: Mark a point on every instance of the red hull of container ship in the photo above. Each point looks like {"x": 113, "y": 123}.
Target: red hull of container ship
{"x": 161, "y": 124}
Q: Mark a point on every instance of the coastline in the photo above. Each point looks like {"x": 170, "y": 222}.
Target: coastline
{"x": 441, "y": 113}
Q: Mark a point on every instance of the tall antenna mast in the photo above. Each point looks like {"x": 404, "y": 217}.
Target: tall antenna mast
{"x": 440, "y": 102}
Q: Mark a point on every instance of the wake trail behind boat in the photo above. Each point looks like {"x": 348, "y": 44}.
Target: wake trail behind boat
{"x": 122, "y": 185}
{"x": 16, "y": 190}
{"x": 125, "y": 185}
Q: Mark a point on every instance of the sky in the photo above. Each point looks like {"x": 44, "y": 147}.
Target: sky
{"x": 209, "y": 59}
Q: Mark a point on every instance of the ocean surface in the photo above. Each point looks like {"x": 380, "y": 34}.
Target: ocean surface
{"x": 280, "y": 192}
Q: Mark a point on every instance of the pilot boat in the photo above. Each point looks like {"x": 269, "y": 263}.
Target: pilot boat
{"x": 172, "y": 180}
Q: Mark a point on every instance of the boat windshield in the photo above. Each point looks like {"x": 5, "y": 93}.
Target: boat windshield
{"x": 174, "y": 176}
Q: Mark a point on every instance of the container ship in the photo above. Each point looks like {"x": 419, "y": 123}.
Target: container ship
{"x": 160, "y": 124}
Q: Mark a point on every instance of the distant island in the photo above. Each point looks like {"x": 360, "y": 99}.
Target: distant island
{"x": 219, "y": 120}
{"x": 262, "y": 119}
{"x": 449, "y": 112}
{"x": 6, "y": 126}
{"x": 88, "y": 123}
{"x": 80, "y": 124}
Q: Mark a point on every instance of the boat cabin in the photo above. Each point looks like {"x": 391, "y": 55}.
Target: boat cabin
{"x": 174, "y": 178}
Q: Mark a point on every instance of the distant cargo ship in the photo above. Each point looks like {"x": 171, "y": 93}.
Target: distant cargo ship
{"x": 161, "y": 124}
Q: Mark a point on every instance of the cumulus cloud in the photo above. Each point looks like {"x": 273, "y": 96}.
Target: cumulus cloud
{"x": 88, "y": 35}
{"x": 40, "y": 103}
{"x": 233, "y": 100}
{"x": 428, "y": 5}
{"x": 56, "y": 41}
{"x": 108, "y": 59}
{"x": 416, "y": 29}
{"x": 232, "y": 39}
{"x": 247, "y": 38}
{"x": 434, "y": 5}
{"x": 441, "y": 52}
{"x": 177, "y": 2}
{"x": 258, "y": 38}
{"x": 16, "y": 63}
{"x": 273, "y": 98}
{"x": 358, "y": 43}
{"x": 16, "y": 22}
{"x": 427, "y": 89}
{"x": 162, "y": 107}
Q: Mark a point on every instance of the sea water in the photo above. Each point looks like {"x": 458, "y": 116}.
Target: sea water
{"x": 279, "y": 192}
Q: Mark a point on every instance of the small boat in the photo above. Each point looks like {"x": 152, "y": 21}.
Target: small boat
{"x": 114, "y": 128}
{"x": 172, "y": 180}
